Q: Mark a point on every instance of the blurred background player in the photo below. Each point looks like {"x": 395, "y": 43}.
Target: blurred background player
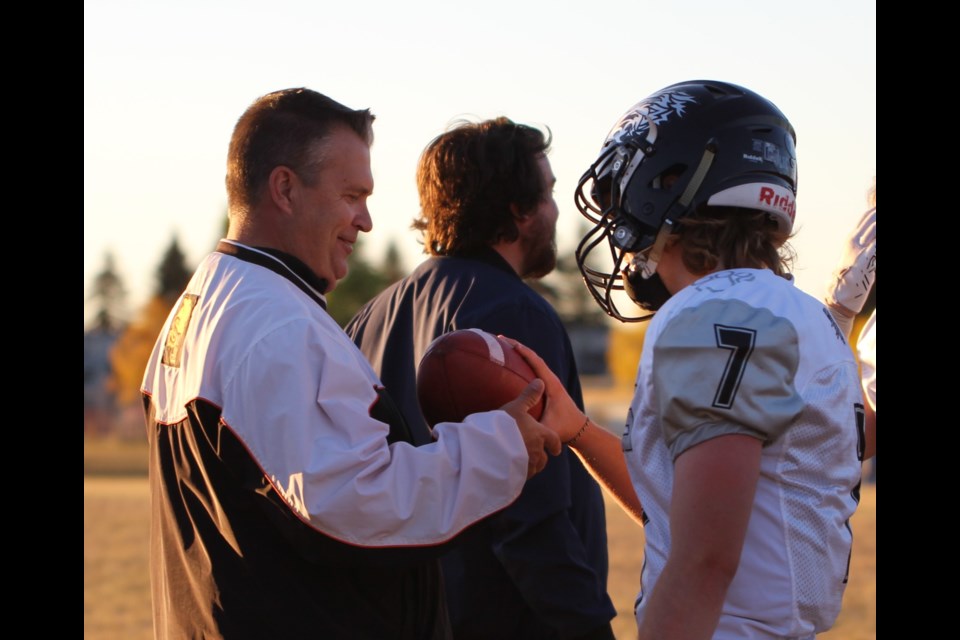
{"x": 850, "y": 284}
{"x": 488, "y": 219}
{"x": 848, "y": 291}
{"x": 742, "y": 442}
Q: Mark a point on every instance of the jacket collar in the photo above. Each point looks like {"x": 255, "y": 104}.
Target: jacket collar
{"x": 281, "y": 263}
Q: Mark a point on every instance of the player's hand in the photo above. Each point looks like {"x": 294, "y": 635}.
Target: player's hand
{"x": 853, "y": 278}
{"x": 561, "y": 413}
{"x": 538, "y": 439}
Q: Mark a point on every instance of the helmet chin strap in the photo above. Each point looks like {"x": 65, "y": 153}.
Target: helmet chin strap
{"x": 649, "y": 266}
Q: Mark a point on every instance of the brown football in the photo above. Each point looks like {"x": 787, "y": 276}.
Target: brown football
{"x": 468, "y": 371}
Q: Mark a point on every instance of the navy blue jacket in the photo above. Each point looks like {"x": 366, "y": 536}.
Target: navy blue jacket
{"x": 539, "y": 570}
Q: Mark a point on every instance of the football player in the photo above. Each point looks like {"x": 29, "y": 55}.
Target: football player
{"x": 846, "y": 296}
{"x": 741, "y": 452}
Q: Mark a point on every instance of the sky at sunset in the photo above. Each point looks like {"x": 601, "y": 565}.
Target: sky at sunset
{"x": 164, "y": 83}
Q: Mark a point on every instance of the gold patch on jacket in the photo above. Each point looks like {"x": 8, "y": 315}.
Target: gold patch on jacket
{"x": 173, "y": 347}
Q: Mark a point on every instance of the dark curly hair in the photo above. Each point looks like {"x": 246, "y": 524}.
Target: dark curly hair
{"x": 472, "y": 178}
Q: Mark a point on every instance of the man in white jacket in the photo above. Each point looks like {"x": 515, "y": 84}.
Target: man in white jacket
{"x": 287, "y": 499}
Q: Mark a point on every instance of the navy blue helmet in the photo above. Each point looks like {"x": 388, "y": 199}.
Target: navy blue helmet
{"x": 692, "y": 143}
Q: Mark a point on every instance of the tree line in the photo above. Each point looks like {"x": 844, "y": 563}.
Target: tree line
{"x": 135, "y": 335}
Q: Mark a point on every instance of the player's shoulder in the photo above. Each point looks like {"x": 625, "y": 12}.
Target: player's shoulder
{"x": 716, "y": 292}
{"x": 723, "y": 323}
{"x": 750, "y": 307}
{"x": 752, "y": 300}
{"x": 758, "y": 288}
{"x": 741, "y": 284}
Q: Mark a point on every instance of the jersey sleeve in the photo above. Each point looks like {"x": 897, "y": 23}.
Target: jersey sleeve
{"x": 725, "y": 367}
{"x": 854, "y": 275}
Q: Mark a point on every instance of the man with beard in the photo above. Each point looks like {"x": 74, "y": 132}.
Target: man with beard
{"x": 488, "y": 219}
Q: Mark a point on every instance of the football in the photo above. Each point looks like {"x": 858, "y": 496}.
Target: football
{"x": 468, "y": 371}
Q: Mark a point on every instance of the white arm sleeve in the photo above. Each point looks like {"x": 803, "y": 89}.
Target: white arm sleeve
{"x": 300, "y": 401}
{"x": 853, "y": 278}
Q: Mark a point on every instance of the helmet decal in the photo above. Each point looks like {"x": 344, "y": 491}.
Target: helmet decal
{"x": 762, "y": 151}
{"x": 657, "y": 109}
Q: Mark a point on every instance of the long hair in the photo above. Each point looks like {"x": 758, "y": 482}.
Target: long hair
{"x": 471, "y": 179}
{"x": 731, "y": 237}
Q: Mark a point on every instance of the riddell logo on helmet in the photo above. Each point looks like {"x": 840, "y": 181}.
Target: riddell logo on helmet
{"x": 784, "y": 203}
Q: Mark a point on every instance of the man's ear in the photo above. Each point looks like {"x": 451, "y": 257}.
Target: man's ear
{"x": 281, "y": 187}
{"x": 520, "y": 218}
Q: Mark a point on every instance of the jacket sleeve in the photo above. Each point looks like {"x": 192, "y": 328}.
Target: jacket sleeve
{"x": 300, "y": 402}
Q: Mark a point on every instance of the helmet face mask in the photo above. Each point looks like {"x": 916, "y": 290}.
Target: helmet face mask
{"x": 690, "y": 144}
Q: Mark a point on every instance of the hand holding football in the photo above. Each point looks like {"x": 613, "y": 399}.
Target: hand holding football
{"x": 468, "y": 371}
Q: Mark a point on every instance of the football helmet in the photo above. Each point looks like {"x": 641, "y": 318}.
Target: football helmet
{"x": 689, "y": 144}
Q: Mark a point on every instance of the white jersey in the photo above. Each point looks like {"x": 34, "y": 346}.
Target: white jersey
{"x": 743, "y": 351}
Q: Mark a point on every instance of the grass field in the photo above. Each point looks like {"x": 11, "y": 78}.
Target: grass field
{"x": 116, "y": 583}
